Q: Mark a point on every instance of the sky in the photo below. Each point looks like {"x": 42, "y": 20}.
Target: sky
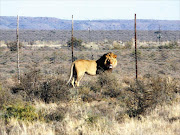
{"x": 93, "y": 9}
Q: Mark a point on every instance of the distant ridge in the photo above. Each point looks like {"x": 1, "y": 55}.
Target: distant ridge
{"x": 49, "y": 23}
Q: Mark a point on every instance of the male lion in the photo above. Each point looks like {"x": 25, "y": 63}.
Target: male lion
{"x": 79, "y": 67}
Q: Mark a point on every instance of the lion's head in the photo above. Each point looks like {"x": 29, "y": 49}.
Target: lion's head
{"x": 110, "y": 60}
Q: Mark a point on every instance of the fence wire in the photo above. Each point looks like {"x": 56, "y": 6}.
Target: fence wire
{"x": 57, "y": 61}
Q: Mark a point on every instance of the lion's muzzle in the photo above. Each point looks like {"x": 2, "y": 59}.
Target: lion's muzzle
{"x": 110, "y": 66}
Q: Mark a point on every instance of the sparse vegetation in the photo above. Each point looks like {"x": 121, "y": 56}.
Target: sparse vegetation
{"x": 170, "y": 45}
{"x": 96, "y": 35}
{"x": 128, "y": 45}
{"x": 109, "y": 103}
{"x": 138, "y": 53}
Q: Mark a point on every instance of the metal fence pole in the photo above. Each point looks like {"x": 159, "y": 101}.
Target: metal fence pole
{"x": 135, "y": 47}
{"x": 17, "y": 36}
{"x": 72, "y": 41}
{"x": 89, "y": 29}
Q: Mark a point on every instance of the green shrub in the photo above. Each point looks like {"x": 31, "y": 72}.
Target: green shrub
{"x": 21, "y": 112}
{"x": 26, "y": 112}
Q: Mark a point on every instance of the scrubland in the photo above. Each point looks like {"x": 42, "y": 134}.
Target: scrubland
{"x": 107, "y": 104}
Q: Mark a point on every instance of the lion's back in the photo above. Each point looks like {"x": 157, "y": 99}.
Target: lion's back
{"x": 89, "y": 66}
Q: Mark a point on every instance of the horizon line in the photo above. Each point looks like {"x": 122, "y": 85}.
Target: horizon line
{"x": 95, "y": 19}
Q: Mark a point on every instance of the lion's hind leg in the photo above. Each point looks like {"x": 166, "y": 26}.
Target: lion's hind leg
{"x": 74, "y": 77}
{"x": 72, "y": 82}
{"x": 79, "y": 78}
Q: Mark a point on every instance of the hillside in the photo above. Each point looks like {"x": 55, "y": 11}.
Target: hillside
{"x": 47, "y": 23}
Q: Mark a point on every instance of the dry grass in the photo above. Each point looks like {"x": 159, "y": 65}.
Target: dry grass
{"x": 88, "y": 119}
{"x": 108, "y": 116}
{"x": 57, "y": 61}
{"x": 16, "y": 127}
{"x": 100, "y": 105}
{"x": 157, "y": 123}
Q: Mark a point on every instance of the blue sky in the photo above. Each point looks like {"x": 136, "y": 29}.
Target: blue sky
{"x": 93, "y": 9}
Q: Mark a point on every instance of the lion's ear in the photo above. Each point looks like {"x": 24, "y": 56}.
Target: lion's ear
{"x": 115, "y": 56}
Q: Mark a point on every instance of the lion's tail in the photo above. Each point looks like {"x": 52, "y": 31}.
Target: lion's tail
{"x": 71, "y": 74}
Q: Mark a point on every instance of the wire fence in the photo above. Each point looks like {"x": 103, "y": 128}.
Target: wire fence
{"x": 57, "y": 61}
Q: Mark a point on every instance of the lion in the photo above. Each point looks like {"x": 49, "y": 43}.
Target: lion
{"x": 79, "y": 67}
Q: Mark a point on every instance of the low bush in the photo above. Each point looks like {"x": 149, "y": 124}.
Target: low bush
{"x": 13, "y": 45}
{"x": 27, "y": 112}
{"x": 54, "y": 116}
{"x": 128, "y": 45}
{"x": 144, "y": 95}
{"x": 109, "y": 84}
{"x": 21, "y": 112}
{"x": 30, "y": 85}
{"x": 105, "y": 86}
{"x": 36, "y": 86}
{"x": 76, "y": 43}
{"x": 7, "y": 98}
{"x": 170, "y": 45}
{"x": 54, "y": 90}
{"x": 49, "y": 115}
